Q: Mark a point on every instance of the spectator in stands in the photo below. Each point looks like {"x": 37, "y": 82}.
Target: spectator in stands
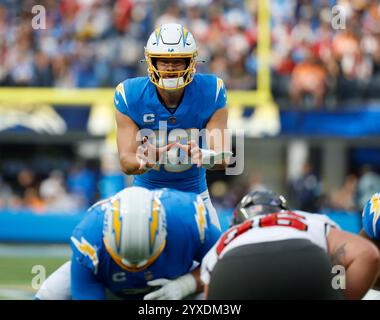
{"x": 308, "y": 78}
{"x": 92, "y": 43}
{"x": 305, "y": 190}
{"x": 81, "y": 181}
{"x": 54, "y": 194}
{"x": 25, "y": 179}
{"x": 368, "y": 184}
{"x": 5, "y": 194}
{"x": 33, "y": 201}
{"x": 344, "y": 198}
{"x": 42, "y": 71}
{"x": 112, "y": 178}
{"x": 171, "y": 14}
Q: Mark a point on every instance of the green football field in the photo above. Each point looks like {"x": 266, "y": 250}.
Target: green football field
{"x": 20, "y": 264}
{"x": 17, "y": 262}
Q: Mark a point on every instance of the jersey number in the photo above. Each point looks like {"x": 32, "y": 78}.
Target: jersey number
{"x": 284, "y": 219}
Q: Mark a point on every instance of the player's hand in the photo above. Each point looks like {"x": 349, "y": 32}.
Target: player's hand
{"x": 172, "y": 289}
{"x": 149, "y": 155}
{"x": 193, "y": 151}
{"x": 204, "y": 157}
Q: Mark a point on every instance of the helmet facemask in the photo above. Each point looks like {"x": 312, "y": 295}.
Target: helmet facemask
{"x": 258, "y": 203}
{"x": 163, "y": 79}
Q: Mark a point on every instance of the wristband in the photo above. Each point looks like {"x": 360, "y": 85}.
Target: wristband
{"x": 210, "y": 157}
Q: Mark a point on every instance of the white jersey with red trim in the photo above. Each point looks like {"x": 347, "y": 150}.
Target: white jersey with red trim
{"x": 267, "y": 228}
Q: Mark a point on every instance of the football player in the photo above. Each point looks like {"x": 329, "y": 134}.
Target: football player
{"x": 160, "y": 118}
{"x": 139, "y": 244}
{"x": 371, "y": 224}
{"x": 275, "y": 253}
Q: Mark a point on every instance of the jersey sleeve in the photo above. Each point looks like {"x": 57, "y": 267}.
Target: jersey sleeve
{"x": 221, "y": 94}
{"x": 86, "y": 243}
{"x": 207, "y": 233}
{"x": 120, "y": 99}
{"x": 86, "y": 240}
{"x": 329, "y": 224}
{"x": 84, "y": 285}
{"x": 212, "y": 97}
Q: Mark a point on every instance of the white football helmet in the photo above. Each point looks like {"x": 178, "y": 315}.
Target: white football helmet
{"x": 171, "y": 40}
{"x": 134, "y": 231}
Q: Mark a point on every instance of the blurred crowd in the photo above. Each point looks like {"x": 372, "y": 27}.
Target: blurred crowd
{"x": 58, "y": 192}
{"x": 75, "y": 190}
{"x": 307, "y": 192}
{"x": 326, "y": 57}
{"x": 320, "y": 58}
{"x": 94, "y": 43}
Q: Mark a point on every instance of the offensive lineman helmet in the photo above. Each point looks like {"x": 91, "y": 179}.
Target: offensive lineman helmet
{"x": 171, "y": 40}
{"x": 134, "y": 231}
{"x": 258, "y": 203}
{"x": 370, "y": 217}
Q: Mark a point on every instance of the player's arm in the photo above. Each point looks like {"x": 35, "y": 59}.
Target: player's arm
{"x": 84, "y": 285}
{"x": 218, "y": 154}
{"x": 205, "y": 235}
{"x": 85, "y": 245}
{"x": 217, "y": 137}
{"x": 211, "y": 236}
{"x": 377, "y": 244}
{"x": 127, "y": 143}
{"x": 206, "y": 252}
{"x": 135, "y": 158}
{"x": 359, "y": 257}
{"x": 208, "y": 263}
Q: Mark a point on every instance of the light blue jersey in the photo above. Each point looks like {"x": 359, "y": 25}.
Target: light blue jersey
{"x": 189, "y": 237}
{"x": 137, "y": 98}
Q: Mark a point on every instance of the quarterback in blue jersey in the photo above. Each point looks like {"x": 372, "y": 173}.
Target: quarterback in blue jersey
{"x": 163, "y": 114}
{"x": 141, "y": 244}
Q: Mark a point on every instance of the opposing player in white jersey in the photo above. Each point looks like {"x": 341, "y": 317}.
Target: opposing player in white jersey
{"x": 272, "y": 252}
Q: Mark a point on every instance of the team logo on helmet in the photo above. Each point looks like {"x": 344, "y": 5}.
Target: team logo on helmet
{"x": 375, "y": 210}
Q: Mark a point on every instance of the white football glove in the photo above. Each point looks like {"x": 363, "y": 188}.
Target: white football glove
{"x": 210, "y": 157}
{"x": 204, "y": 157}
{"x": 175, "y": 289}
